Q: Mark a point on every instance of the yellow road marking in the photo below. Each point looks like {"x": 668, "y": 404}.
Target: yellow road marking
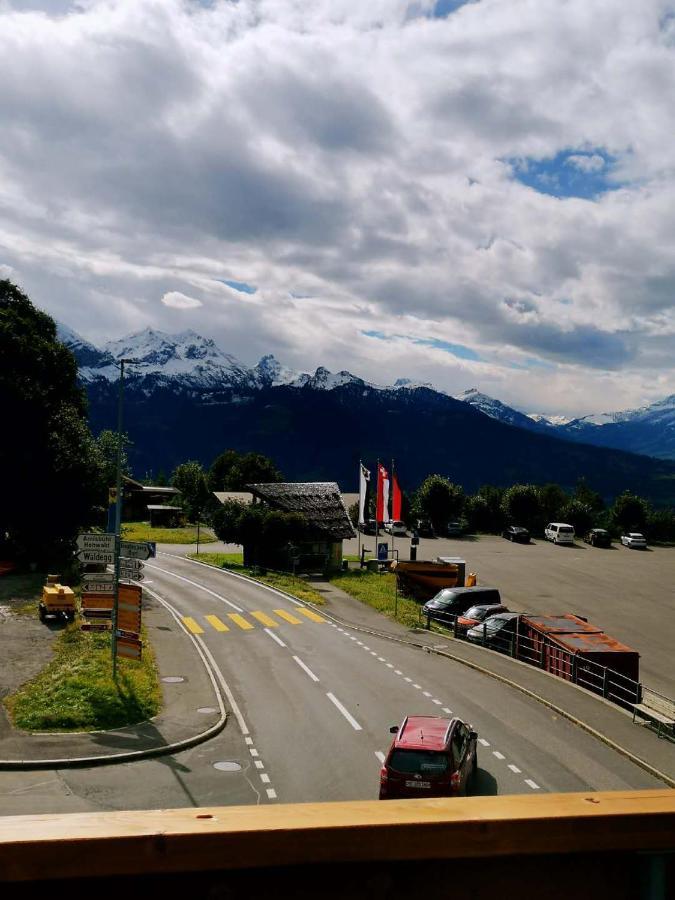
{"x": 310, "y": 615}
{"x": 240, "y": 621}
{"x": 193, "y": 626}
{"x": 217, "y": 624}
{"x": 265, "y": 619}
{"x": 283, "y": 614}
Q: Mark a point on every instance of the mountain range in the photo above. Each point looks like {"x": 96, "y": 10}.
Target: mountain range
{"x": 185, "y": 398}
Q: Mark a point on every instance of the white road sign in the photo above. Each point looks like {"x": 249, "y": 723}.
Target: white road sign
{"x": 134, "y": 565}
{"x": 98, "y": 577}
{"x": 128, "y": 575}
{"x": 100, "y": 587}
{"x": 95, "y": 556}
{"x": 135, "y": 549}
{"x": 104, "y": 543}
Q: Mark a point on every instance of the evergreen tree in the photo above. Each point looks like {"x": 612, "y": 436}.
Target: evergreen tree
{"x": 52, "y": 468}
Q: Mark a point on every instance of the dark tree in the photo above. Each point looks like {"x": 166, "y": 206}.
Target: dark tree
{"x": 440, "y": 501}
{"x": 630, "y": 512}
{"x": 232, "y": 471}
{"x": 522, "y": 505}
{"x": 190, "y": 480}
{"x": 51, "y": 465}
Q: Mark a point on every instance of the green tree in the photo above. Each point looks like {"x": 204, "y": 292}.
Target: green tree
{"x": 263, "y": 532}
{"x": 522, "y": 505}
{"x": 630, "y": 512}
{"x": 579, "y": 515}
{"x": 493, "y": 497}
{"x": 48, "y": 455}
{"x": 478, "y": 514}
{"x": 106, "y": 445}
{"x": 586, "y": 495}
{"x": 661, "y": 525}
{"x": 190, "y": 480}
{"x": 440, "y": 501}
{"x": 232, "y": 471}
{"x": 552, "y": 500}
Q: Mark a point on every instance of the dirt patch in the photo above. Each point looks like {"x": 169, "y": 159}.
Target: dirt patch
{"x": 25, "y": 643}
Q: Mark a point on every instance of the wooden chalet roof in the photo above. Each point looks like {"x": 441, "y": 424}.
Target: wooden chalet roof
{"x": 319, "y": 501}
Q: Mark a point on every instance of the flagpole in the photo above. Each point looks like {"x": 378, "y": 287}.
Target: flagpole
{"x": 358, "y": 526}
{"x": 391, "y": 500}
{"x": 377, "y": 505}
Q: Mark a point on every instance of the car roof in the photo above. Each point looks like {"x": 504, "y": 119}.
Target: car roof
{"x": 504, "y": 615}
{"x": 517, "y": 528}
{"x": 561, "y": 524}
{"x": 603, "y": 530}
{"x": 635, "y": 534}
{"x": 424, "y": 733}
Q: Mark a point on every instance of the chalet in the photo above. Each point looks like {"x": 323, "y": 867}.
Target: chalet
{"x": 320, "y": 502}
{"x": 150, "y": 502}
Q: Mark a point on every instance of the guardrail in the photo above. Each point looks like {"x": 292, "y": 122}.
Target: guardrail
{"x": 585, "y": 845}
{"x": 545, "y": 654}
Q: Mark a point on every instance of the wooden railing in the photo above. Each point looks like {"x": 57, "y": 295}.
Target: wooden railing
{"x": 582, "y": 845}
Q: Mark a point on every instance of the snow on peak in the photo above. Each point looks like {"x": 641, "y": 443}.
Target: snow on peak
{"x": 411, "y": 385}
{"x": 272, "y": 373}
{"x": 323, "y": 380}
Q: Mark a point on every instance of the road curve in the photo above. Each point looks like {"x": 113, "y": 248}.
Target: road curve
{"x": 315, "y": 700}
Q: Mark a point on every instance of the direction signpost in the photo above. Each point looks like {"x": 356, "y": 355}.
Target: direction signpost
{"x": 105, "y": 595}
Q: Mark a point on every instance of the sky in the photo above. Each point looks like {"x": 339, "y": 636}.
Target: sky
{"x": 472, "y": 194}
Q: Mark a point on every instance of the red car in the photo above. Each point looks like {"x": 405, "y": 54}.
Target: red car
{"x": 477, "y": 614}
{"x": 429, "y": 757}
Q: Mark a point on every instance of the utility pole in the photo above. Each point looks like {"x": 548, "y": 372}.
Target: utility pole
{"x": 118, "y": 515}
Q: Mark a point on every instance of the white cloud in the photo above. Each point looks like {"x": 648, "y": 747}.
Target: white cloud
{"x": 354, "y": 154}
{"x": 176, "y": 300}
{"x": 592, "y": 163}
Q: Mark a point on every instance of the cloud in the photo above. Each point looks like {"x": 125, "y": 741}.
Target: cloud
{"x": 176, "y": 300}
{"x": 495, "y": 176}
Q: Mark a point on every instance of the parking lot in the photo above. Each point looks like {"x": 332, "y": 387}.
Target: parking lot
{"x": 628, "y": 593}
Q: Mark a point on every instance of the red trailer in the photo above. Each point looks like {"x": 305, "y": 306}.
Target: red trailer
{"x": 562, "y": 643}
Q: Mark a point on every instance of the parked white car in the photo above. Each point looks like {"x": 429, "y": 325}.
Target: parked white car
{"x": 395, "y": 528}
{"x": 634, "y": 540}
{"x": 559, "y": 533}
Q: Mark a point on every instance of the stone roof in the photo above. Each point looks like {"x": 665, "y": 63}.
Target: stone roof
{"x": 319, "y": 501}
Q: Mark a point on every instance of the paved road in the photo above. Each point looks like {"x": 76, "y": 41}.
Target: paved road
{"x": 314, "y": 704}
{"x": 627, "y": 593}
{"x": 318, "y": 700}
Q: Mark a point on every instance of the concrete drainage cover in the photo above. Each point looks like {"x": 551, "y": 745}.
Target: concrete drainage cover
{"x": 227, "y": 766}
{"x": 173, "y": 679}
{"x": 207, "y": 709}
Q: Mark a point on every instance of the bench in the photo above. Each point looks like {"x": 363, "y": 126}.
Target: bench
{"x": 656, "y": 708}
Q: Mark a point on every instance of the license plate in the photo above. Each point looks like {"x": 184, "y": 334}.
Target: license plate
{"x": 418, "y": 784}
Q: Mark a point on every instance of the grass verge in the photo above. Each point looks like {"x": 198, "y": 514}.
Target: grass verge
{"x": 76, "y": 691}
{"x": 379, "y": 591}
{"x": 141, "y": 531}
{"x": 281, "y": 580}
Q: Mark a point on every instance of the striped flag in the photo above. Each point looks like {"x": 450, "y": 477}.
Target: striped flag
{"x": 364, "y": 480}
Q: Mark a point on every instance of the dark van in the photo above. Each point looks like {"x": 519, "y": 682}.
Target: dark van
{"x": 452, "y": 602}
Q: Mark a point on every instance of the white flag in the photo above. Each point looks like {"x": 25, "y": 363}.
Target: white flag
{"x": 364, "y": 478}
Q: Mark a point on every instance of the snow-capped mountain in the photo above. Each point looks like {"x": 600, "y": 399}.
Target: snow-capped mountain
{"x": 501, "y": 412}
{"x": 195, "y": 365}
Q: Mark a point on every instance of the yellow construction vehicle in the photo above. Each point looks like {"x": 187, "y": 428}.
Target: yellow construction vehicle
{"x": 58, "y": 601}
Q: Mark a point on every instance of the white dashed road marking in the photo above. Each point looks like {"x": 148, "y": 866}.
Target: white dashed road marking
{"x": 274, "y": 637}
{"x": 345, "y": 712}
{"x": 305, "y": 668}
{"x": 483, "y": 742}
{"x": 532, "y": 784}
{"x": 380, "y": 755}
{"x": 271, "y": 793}
{"x": 498, "y": 754}
{"x": 515, "y": 769}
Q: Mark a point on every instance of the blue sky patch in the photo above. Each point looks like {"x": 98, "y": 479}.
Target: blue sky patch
{"x": 571, "y": 173}
{"x": 458, "y": 350}
{"x": 443, "y": 8}
{"x": 240, "y": 286}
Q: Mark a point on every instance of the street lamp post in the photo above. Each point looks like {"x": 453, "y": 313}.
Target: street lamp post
{"x": 118, "y": 514}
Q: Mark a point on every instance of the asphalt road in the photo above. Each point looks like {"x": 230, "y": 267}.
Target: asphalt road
{"x": 313, "y": 706}
{"x": 627, "y": 593}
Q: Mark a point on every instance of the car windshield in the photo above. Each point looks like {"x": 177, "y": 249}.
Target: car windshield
{"x": 414, "y": 762}
{"x": 477, "y": 612}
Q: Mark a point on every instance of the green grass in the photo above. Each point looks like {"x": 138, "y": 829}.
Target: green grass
{"x": 76, "y": 692}
{"x": 141, "y": 531}
{"x": 22, "y": 592}
{"x": 281, "y": 580}
{"x": 379, "y": 591}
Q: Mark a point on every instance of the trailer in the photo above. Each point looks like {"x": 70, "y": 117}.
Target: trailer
{"x": 423, "y": 579}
